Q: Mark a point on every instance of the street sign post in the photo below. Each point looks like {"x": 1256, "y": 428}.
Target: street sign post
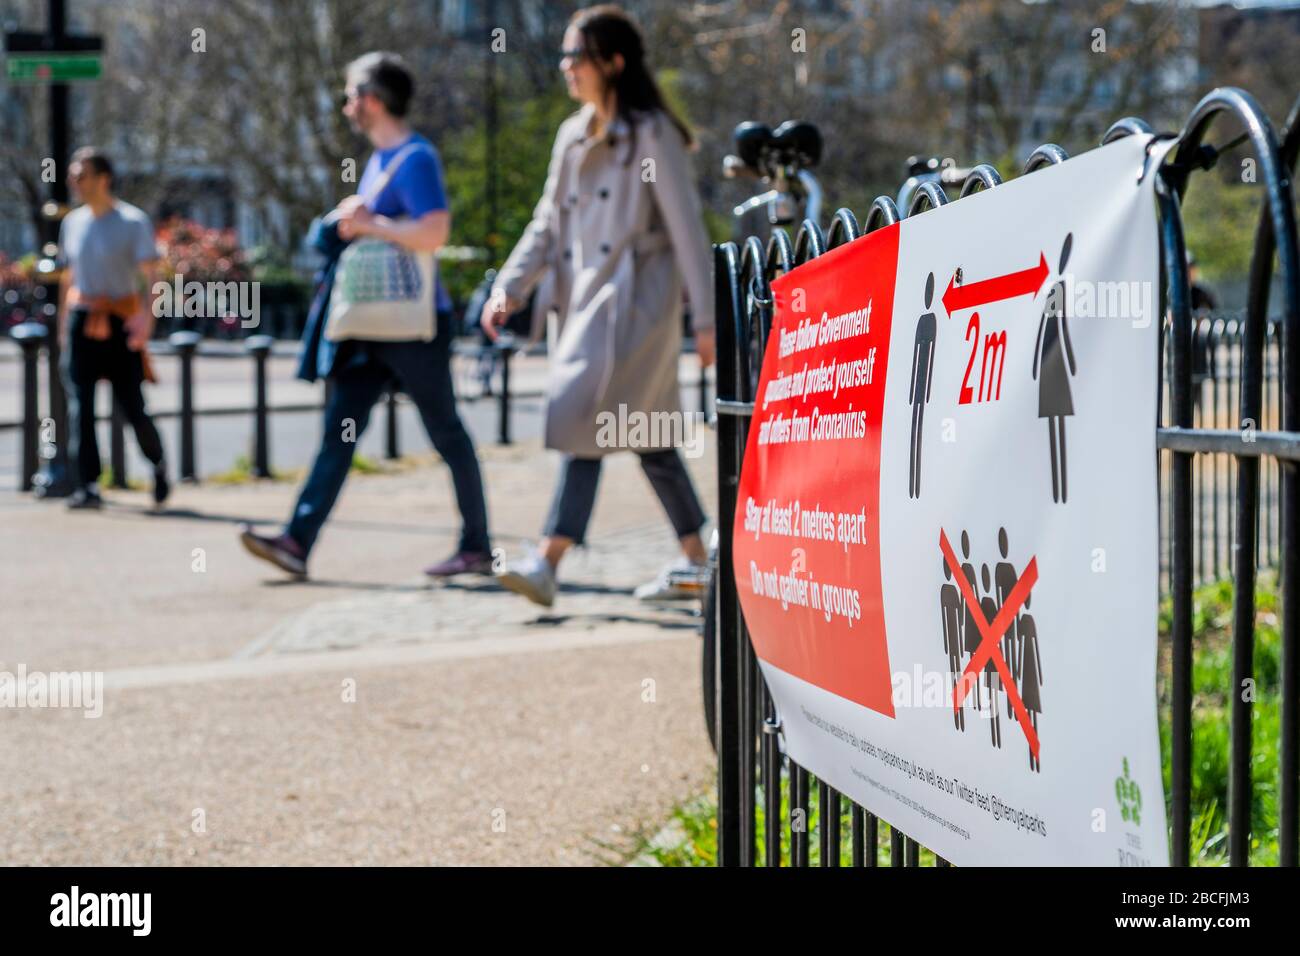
{"x": 57, "y": 58}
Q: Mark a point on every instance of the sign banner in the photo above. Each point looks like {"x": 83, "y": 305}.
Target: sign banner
{"x": 53, "y": 67}
{"x": 946, "y": 534}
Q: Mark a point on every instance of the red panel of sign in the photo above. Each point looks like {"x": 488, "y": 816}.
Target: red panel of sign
{"x": 814, "y": 450}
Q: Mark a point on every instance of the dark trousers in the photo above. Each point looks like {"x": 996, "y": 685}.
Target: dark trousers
{"x": 576, "y": 495}
{"x": 85, "y": 362}
{"x": 362, "y": 373}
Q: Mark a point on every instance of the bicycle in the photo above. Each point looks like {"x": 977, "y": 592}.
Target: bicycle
{"x": 782, "y": 161}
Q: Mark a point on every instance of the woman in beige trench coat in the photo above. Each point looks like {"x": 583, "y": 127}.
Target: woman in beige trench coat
{"x": 617, "y": 234}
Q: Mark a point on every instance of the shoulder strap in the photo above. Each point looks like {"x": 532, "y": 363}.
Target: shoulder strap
{"x": 383, "y": 179}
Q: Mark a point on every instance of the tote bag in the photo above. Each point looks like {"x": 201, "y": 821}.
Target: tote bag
{"x": 382, "y": 290}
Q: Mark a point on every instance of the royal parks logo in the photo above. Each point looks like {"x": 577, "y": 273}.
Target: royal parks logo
{"x": 1129, "y": 795}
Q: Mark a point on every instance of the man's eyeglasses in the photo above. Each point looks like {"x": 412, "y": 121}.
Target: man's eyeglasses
{"x": 576, "y": 55}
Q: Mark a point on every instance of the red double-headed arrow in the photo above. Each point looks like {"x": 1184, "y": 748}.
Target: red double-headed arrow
{"x": 1025, "y": 282}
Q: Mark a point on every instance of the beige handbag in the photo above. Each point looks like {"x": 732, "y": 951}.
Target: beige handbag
{"x": 382, "y": 290}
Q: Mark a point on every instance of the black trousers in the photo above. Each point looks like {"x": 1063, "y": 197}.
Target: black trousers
{"x": 576, "y": 495}
{"x": 85, "y": 362}
{"x": 362, "y": 372}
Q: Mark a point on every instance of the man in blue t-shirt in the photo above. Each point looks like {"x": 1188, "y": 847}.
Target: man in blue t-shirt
{"x": 410, "y": 210}
{"x": 414, "y": 192}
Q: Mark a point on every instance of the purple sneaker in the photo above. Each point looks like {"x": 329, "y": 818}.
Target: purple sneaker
{"x": 282, "y": 551}
{"x": 462, "y": 562}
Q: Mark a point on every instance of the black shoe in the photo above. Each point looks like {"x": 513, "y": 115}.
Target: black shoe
{"x": 85, "y": 499}
{"x": 462, "y": 562}
{"x": 161, "y": 487}
{"x": 282, "y": 551}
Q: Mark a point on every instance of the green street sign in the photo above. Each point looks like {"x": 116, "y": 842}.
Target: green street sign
{"x": 53, "y": 67}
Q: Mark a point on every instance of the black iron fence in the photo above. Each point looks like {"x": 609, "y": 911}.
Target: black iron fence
{"x": 1228, "y": 437}
{"x": 483, "y": 373}
{"x": 1217, "y": 364}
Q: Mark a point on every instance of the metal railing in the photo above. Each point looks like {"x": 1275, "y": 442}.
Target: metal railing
{"x": 1217, "y": 355}
{"x": 482, "y": 372}
{"x": 35, "y": 344}
{"x": 1210, "y": 455}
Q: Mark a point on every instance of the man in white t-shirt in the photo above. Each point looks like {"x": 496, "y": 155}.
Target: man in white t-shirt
{"x": 107, "y": 251}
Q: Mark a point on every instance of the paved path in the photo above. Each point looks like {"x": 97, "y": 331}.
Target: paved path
{"x": 364, "y": 716}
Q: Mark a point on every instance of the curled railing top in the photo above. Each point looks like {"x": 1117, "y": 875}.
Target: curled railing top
{"x": 982, "y": 176}
{"x": 844, "y": 228}
{"x": 927, "y": 196}
{"x": 883, "y": 212}
{"x": 1049, "y": 154}
{"x": 1128, "y": 126}
{"x": 809, "y": 243}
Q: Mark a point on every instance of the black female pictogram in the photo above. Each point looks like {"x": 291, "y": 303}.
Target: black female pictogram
{"x": 1004, "y": 577}
{"x": 1031, "y": 680}
{"x": 970, "y": 633}
{"x": 1053, "y": 366}
{"x": 992, "y": 680}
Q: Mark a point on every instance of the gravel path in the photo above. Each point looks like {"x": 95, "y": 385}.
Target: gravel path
{"x": 365, "y": 716}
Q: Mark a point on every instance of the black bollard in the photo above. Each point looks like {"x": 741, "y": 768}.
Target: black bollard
{"x": 259, "y": 346}
{"x": 185, "y": 344}
{"x": 30, "y": 336}
{"x": 391, "y": 422}
{"x": 54, "y": 480}
{"x": 503, "y": 400}
{"x": 704, "y": 391}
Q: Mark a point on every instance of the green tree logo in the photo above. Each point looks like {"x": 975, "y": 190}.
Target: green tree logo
{"x": 1129, "y": 796}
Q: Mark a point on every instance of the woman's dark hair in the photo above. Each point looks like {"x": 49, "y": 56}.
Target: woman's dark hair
{"x": 608, "y": 30}
{"x": 386, "y": 77}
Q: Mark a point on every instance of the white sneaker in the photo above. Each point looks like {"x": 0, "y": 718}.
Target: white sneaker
{"x": 532, "y": 576}
{"x": 681, "y": 580}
